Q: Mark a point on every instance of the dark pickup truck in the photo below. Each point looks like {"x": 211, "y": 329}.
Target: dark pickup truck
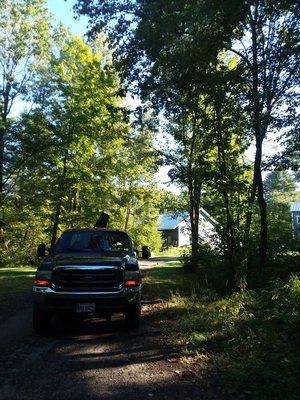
{"x": 89, "y": 272}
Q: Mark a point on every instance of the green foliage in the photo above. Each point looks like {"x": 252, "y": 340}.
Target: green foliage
{"x": 15, "y": 289}
{"x": 22, "y": 237}
{"x": 248, "y": 340}
{"x": 75, "y": 153}
{"x": 280, "y": 189}
{"x": 173, "y": 252}
{"x": 286, "y": 297}
{"x": 223, "y": 74}
{"x": 24, "y": 43}
{"x": 24, "y": 49}
{"x": 173, "y": 203}
{"x": 15, "y": 281}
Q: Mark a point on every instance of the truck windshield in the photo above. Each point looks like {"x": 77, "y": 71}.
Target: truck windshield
{"x": 87, "y": 241}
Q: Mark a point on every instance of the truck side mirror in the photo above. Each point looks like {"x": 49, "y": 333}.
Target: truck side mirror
{"x": 41, "y": 250}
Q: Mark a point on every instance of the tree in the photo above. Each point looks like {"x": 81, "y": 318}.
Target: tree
{"x": 267, "y": 38}
{"x": 168, "y": 78}
{"x": 136, "y": 196}
{"x": 280, "y": 188}
{"x": 181, "y": 40}
{"x": 279, "y": 183}
{"x": 24, "y": 46}
{"x": 80, "y": 102}
{"x": 191, "y": 164}
{"x": 79, "y": 153}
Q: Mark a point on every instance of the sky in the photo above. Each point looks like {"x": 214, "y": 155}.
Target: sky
{"x": 62, "y": 11}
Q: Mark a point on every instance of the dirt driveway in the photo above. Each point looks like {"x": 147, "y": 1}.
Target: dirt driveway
{"x": 94, "y": 360}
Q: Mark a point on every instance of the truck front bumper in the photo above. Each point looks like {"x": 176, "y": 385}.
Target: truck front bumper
{"x": 45, "y": 298}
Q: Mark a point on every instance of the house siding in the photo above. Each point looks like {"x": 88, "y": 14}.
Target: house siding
{"x": 296, "y": 223}
{"x": 184, "y": 237}
{"x": 175, "y": 231}
{"x": 170, "y": 237}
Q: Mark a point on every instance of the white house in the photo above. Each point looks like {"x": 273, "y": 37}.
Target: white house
{"x": 295, "y": 211}
{"x": 176, "y": 230}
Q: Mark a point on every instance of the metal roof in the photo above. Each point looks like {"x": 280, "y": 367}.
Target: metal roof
{"x": 169, "y": 221}
{"x": 295, "y": 206}
{"x": 208, "y": 217}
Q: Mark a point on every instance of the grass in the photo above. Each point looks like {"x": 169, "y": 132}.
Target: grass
{"x": 171, "y": 252}
{"x": 15, "y": 288}
{"x": 15, "y": 280}
{"x": 248, "y": 341}
{"x": 161, "y": 282}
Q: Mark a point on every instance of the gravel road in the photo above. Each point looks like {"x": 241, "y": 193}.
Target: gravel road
{"x": 93, "y": 360}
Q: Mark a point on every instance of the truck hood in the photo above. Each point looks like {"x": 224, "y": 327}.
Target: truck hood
{"x": 89, "y": 260}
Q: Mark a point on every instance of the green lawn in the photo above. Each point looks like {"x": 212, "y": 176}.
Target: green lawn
{"x": 248, "y": 342}
{"x": 17, "y": 280}
{"x": 15, "y": 290}
{"x": 172, "y": 252}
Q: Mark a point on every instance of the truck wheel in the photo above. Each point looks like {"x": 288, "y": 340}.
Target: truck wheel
{"x": 146, "y": 253}
{"x": 41, "y": 320}
{"x": 133, "y": 316}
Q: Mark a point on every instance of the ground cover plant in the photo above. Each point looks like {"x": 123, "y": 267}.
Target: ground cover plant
{"x": 15, "y": 280}
{"x": 247, "y": 341}
{"x": 15, "y": 288}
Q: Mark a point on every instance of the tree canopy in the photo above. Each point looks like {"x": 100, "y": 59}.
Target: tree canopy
{"x": 199, "y": 58}
{"x": 74, "y": 152}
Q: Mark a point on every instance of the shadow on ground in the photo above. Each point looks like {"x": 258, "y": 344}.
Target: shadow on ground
{"x": 94, "y": 359}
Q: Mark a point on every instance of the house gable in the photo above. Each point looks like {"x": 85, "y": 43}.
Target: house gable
{"x": 168, "y": 223}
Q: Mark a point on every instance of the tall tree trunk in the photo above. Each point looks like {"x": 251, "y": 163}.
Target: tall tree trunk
{"x": 194, "y": 197}
{"x": 259, "y": 137}
{"x": 249, "y": 214}
{"x": 257, "y": 188}
{"x": 2, "y": 133}
{"x": 1, "y": 186}
{"x": 2, "y": 149}
{"x": 3, "y": 128}
{"x": 263, "y": 248}
{"x": 230, "y": 241}
{"x": 194, "y": 233}
{"x": 238, "y": 219}
{"x": 56, "y": 222}
{"x": 128, "y": 211}
{"x": 194, "y": 190}
{"x": 74, "y": 201}
{"x": 58, "y": 205}
{"x": 230, "y": 237}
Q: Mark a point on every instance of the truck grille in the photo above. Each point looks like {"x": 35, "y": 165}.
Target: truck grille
{"x": 84, "y": 279}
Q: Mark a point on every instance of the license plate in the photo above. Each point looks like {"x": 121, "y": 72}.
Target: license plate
{"x": 85, "y": 308}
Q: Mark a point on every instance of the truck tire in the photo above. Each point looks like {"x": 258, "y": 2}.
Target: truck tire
{"x": 41, "y": 320}
{"x": 133, "y": 316}
{"x": 146, "y": 253}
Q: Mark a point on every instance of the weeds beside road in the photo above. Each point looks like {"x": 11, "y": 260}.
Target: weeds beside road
{"x": 15, "y": 289}
{"x": 248, "y": 341}
{"x": 15, "y": 280}
{"x": 240, "y": 346}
